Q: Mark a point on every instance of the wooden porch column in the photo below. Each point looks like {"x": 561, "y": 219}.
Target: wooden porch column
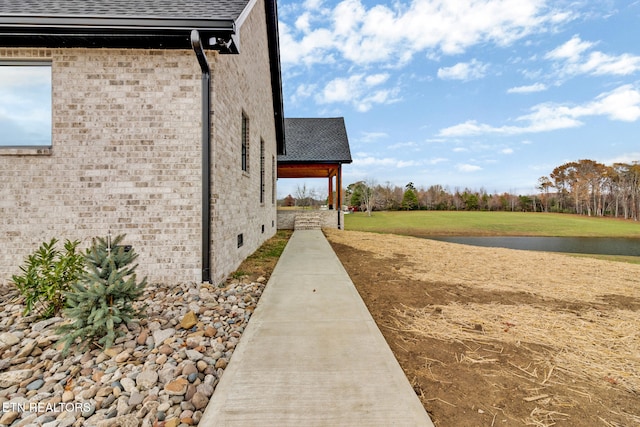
{"x": 330, "y": 198}
{"x": 339, "y": 193}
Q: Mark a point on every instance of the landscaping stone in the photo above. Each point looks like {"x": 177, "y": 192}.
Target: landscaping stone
{"x": 176, "y": 387}
{"x": 147, "y": 379}
{"x": 11, "y": 378}
{"x": 8, "y": 339}
{"x": 194, "y": 355}
{"x": 67, "y": 396}
{"x": 163, "y": 370}
{"x": 122, "y": 356}
{"x": 9, "y": 417}
{"x": 41, "y": 325}
{"x": 142, "y": 337}
{"x": 127, "y": 384}
{"x": 35, "y": 385}
{"x": 189, "y": 320}
{"x": 199, "y": 400}
{"x": 124, "y": 421}
{"x": 161, "y": 335}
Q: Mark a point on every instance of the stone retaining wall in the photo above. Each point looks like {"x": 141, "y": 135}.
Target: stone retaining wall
{"x": 329, "y": 219}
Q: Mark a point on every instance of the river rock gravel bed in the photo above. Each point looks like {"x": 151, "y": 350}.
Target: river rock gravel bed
{"x": 160, "y": 374}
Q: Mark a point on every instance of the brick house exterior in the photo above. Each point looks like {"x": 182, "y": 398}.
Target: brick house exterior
{"x": 127, "y": 139}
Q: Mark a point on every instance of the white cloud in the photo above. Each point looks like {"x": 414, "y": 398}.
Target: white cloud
{"x": 372, "y": 136}
{"x": 435, "y": 140}
{"x": 302, "y": 92}
{"x": 394, "y": 33}
{"x": 398, "y": 145}
{"x": 359, "y": 90}
{"x": 575, "y": 59}
{"x": 406, "y": 163}
{"x": 464, "y": 71}
{"x": 623, "y": 158}
{"x": 467, "y": 168}
{"x": 507, "y": 151}
{"x": 437, "y": 160}
{"x": 353, "y": 36}
{"x": 312, "y": 4}
{"x": 302, "y": 23}
{"x": 313, "y": 48}
{"x": 570, "y": 51}
{"x": 620, "y": 104}
{"x": 388, "y": 162}
{"x": 537, "y": 87}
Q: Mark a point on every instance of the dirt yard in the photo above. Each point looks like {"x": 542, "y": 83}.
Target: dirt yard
{"x": 497, "y": 337}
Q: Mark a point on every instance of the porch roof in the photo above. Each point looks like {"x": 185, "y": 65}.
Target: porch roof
{"x": 316, "y": 140}
{"x": 316, "y": 148}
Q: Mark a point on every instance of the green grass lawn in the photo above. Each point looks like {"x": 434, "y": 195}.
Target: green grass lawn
{"x": 451, "y": 223}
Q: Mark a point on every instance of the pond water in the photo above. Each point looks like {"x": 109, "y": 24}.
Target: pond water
{"x": 580, "y": 245}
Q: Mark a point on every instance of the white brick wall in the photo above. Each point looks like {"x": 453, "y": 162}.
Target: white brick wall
{"x": 126, "y": 157}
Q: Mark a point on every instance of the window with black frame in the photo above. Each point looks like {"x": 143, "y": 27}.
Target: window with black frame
{"x": 25, "y": 104}
{"x": 245, "y": 143}
{"x": 262, "y": 172}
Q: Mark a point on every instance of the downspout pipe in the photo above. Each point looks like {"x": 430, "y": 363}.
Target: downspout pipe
{"x": 196, "y": 44}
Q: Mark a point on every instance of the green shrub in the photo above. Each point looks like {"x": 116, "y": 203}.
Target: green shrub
{"x": 102, "y": 299}
{"x": 47, "y": 275}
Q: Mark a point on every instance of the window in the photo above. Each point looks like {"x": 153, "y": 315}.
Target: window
{"x": 262, "y": 185}
{"x": 245, "y": 143}
{"x": 25, "y": 103}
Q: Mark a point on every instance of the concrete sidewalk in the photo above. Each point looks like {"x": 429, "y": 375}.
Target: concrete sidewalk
{"x": 312, "y": 355}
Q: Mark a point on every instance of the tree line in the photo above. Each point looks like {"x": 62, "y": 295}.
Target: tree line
{"x": 583, "y": 187}
{"x": 590, "y": 188}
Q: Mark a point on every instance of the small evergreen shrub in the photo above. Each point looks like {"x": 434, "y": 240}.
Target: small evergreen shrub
{"x": 47, "y": 275}
{"x": 102, "y": 300}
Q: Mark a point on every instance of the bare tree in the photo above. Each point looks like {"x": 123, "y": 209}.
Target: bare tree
{"x": 302, "y": 195}
{"x": 369, "y": 192}
{"x": 315, "y": 194}
{"x": 544, "y": 183}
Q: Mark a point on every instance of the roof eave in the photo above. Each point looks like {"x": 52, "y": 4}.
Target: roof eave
{"x": 113, "y": 23}
{"x": 283, "y": 160}
{"x": 133, "y": 32}
{"x": 276, "y": 74}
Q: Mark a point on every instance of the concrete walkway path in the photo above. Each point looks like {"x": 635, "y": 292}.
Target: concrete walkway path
{"x": 312, "y": 355}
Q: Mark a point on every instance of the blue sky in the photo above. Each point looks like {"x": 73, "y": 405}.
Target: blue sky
{"x": 486, "y": 94}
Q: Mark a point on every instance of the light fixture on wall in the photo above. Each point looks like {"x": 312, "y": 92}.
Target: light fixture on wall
{"x": 227, "y": 44}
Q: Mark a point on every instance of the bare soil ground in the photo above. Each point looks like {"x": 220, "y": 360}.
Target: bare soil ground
{"x": 498, "y": 337}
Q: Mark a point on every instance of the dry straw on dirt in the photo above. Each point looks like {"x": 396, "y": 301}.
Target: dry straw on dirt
{"x": 566, "y": 330}
{"x": 592, "y": 345}
{"x": 542, "y": 273}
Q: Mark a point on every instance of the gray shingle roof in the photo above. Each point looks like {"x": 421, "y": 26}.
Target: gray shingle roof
{"x": 173, "y": 9}
{"x": 316, "y": 140}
